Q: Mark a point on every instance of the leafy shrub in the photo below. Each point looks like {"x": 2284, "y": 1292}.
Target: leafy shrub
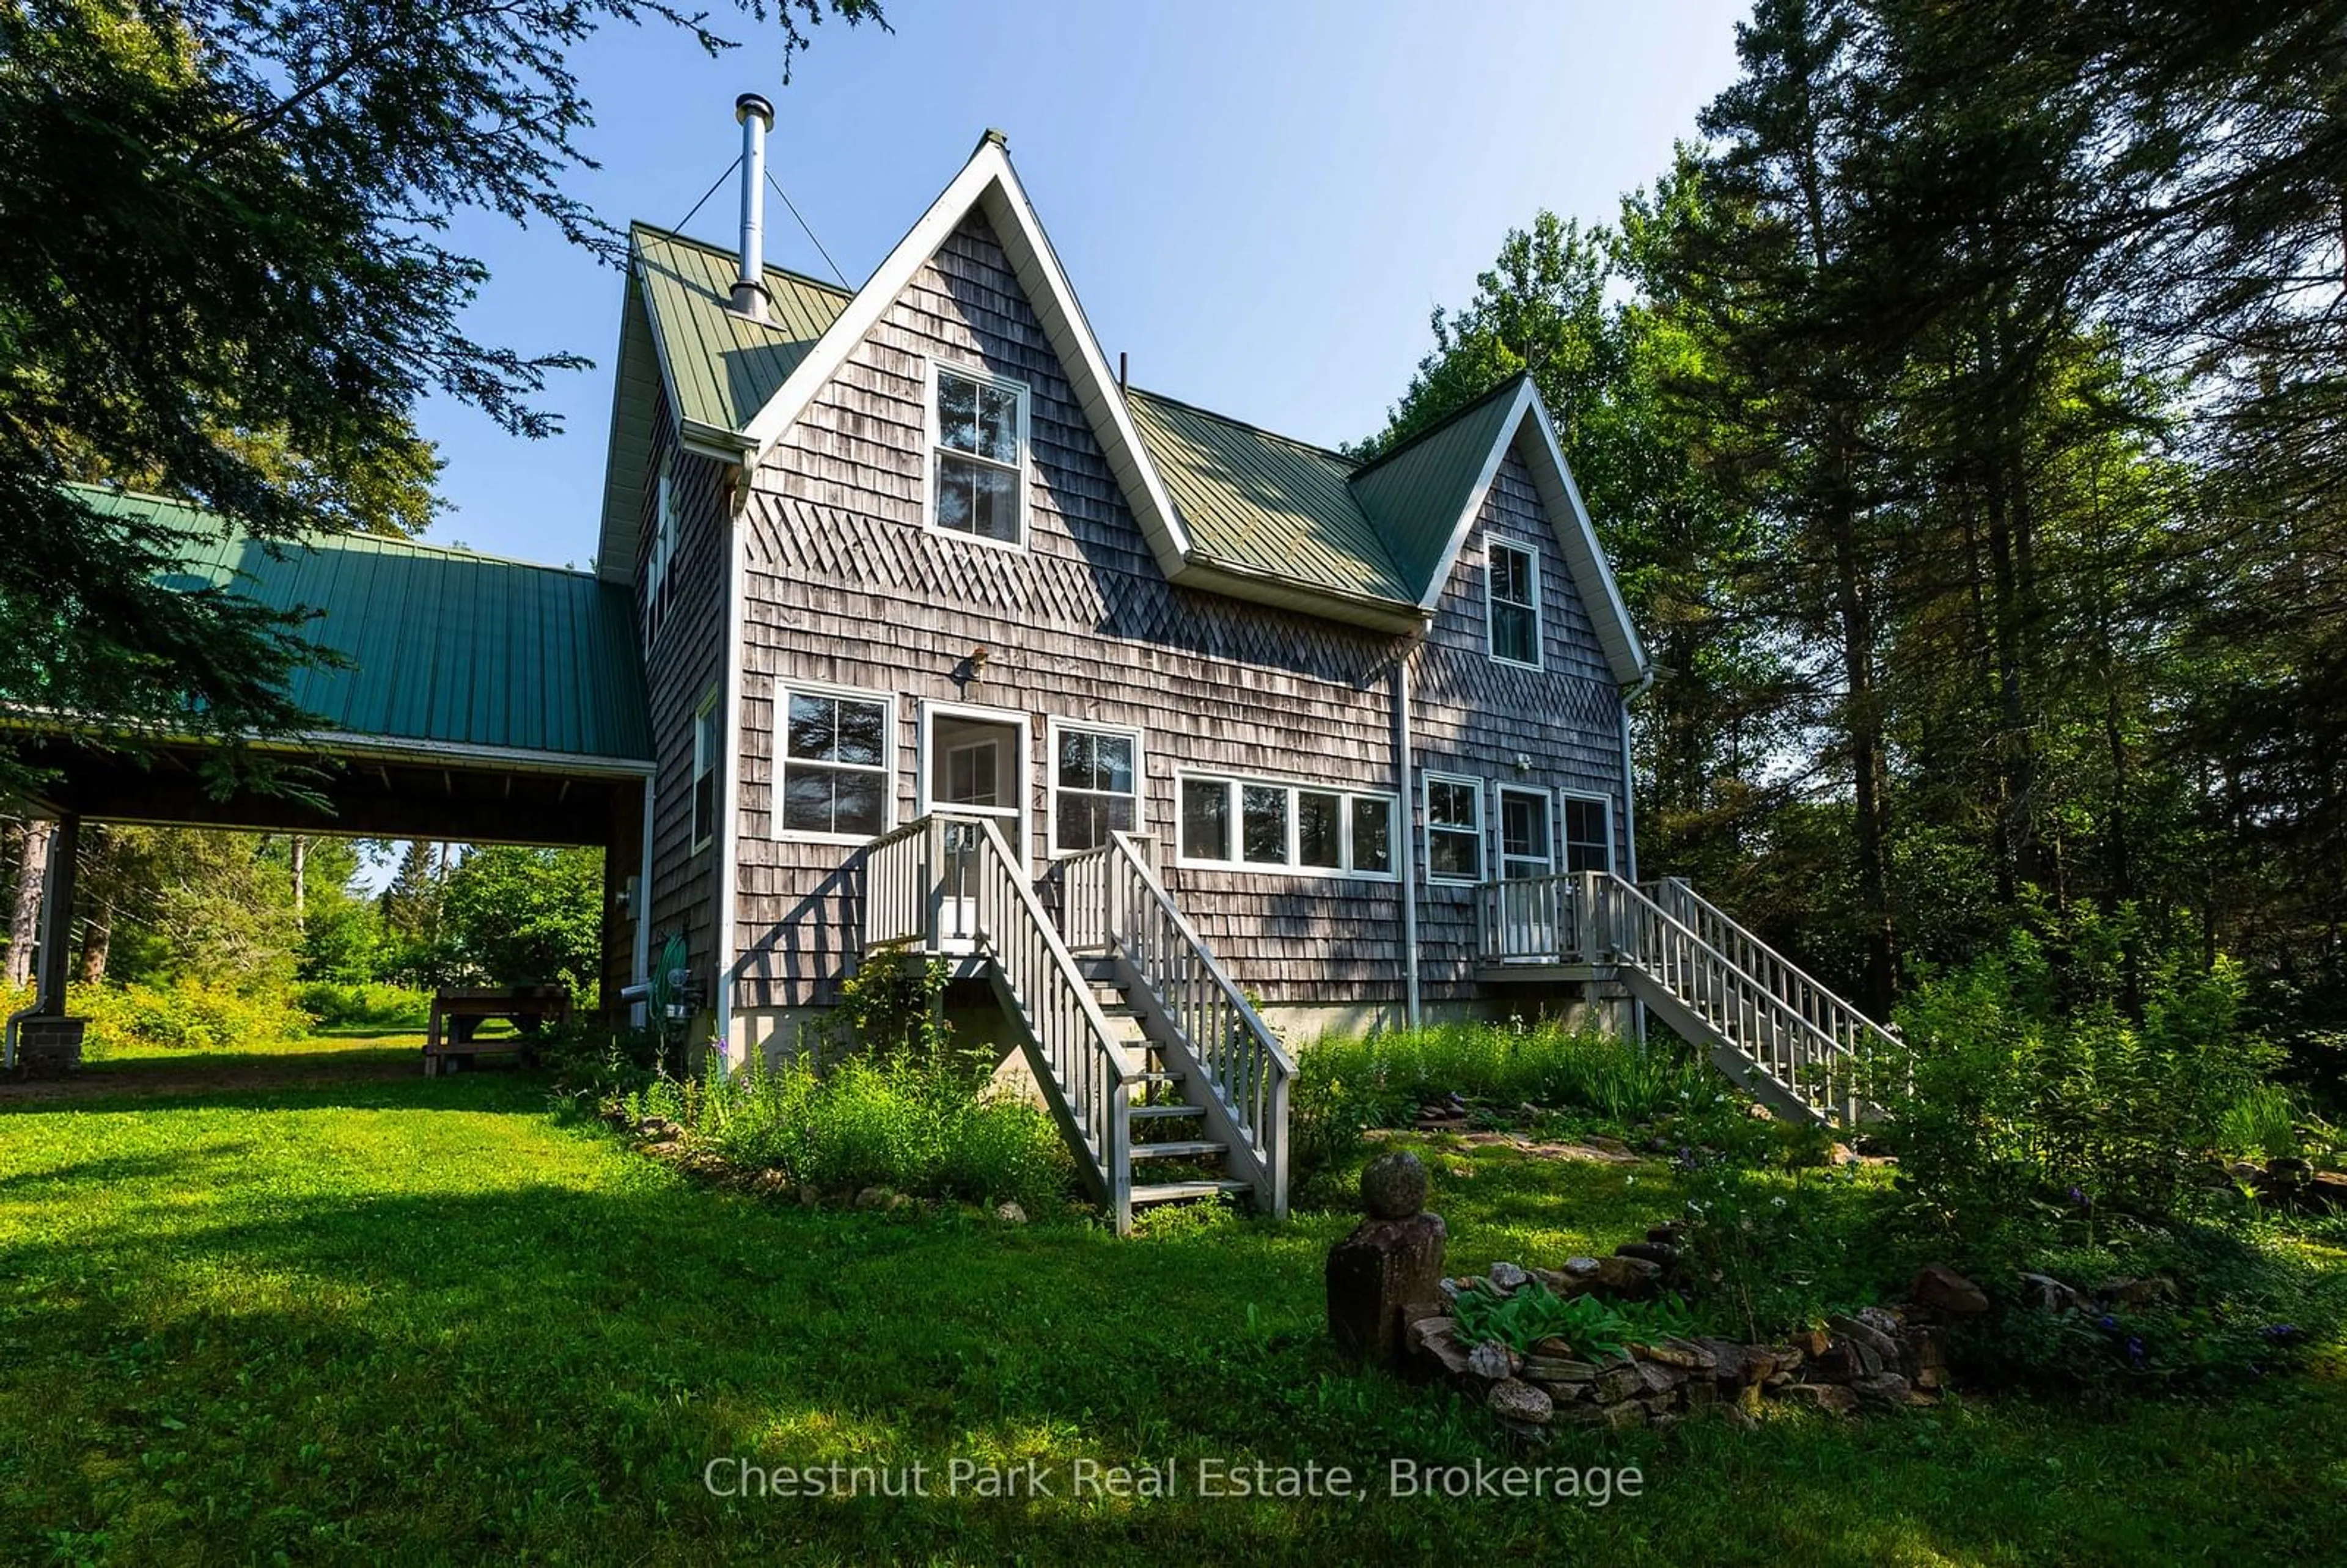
{"x": 1593, "y": 1328}
{"x": 2249, "y": 1302}
{"x": 916, "y": 1127}
{"x": 342, "y": 1006}
{"x": 2026, "y": 1119}
{"x": 185, "y": 1015}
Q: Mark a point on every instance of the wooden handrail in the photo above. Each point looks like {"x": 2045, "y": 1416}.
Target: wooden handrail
{"x": 913, "y": 871}
{"x": 1201, "y": 1022}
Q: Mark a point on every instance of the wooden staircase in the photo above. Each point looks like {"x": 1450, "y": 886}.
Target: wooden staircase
{"x": 1170, "y": 1133}
{"x": 1145, "y": 1052}
{"x": 1798, "y": 1047}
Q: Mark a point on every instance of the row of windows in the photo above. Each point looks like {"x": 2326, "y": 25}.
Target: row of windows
{"x": 833, "y": 784}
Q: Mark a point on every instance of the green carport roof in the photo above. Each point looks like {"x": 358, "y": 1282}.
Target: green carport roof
{"x": 444, "y": 648}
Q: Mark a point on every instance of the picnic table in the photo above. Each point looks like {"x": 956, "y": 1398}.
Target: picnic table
{"x": 456, "y": 1012}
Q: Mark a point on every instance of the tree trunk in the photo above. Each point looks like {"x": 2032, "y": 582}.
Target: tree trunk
{"x": 301, "y": 879}
{"x": 25, "y": 920}
{"x": 98, "y": 929}
{"x": 1862, "y": 725}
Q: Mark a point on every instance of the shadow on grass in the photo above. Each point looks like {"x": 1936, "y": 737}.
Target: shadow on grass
{"x": 545, "y": 1370}
{"x": 503, "y": 1091}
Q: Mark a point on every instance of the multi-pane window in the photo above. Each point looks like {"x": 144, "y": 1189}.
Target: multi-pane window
{"x": 1266, "y": 825}
{"x": 705, "y": 782}
{"x": 1512, "y": 581}
{"x": 1588, "y": 834}
{"x": 834, "y": 764}
{"x": 1454, "y": 829}
{"x": 1096, "y": 786}
{"x": 980, "y": 435}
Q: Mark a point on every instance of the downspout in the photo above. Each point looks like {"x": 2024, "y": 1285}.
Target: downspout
{"x": 729, "y": 702}
{"x": 642, "y": 959}
{"x": 1406, "y": 855}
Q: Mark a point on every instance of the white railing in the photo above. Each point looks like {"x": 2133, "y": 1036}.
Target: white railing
{"x": 1115, "y": 904}
{"x": 1813, "y": 1046}
{"x": 946, "y": 880}
{"x": 1821, "y": 1008}
{"x": 1529, "y": 921}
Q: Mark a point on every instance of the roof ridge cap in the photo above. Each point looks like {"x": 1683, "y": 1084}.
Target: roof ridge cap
{"x": 313, "y": 537}
{"x": 1445, "y": 423}
{"x": 1263, "y": 430}
{"x": 845, "y": 291}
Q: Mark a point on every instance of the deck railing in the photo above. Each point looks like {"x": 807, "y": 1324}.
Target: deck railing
{"x": 944, "y": 881}
{"x": 1114, "y": 902}
{"x": 1815, "y": 1047}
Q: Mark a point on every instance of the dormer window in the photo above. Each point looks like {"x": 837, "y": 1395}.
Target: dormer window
{"x": 1512, "y": 581}
{"x": 977, "y": 425}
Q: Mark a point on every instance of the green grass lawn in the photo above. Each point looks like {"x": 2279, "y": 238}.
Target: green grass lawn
{"x": 411, "y": 1321}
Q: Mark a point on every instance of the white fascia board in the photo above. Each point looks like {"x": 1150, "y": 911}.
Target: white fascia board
{"x": 1586, "y": 557}
{"x": 1441, "y": 577}
{"x": 988, "y": 182}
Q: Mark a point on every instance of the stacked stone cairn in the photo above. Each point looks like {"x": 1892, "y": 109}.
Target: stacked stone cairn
{"x": 1390, "y": 1303}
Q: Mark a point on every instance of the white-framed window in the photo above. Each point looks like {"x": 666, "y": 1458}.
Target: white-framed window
{"x": 833, "y": 754}
{"x": 666, "y": 530}
{"x": 1512, "y": 603}
{"x": 1095, "y": 784}
{"x": 1588, "y": 833}
{"x": 1526, "y": 819}
{"x": 1264, "y": 825}
{"x": 1454, "y": 828}
{"x": 707, "y": 776}
{"x": 978, "y": 455}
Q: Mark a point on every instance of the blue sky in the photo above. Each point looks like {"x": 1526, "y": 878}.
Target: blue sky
{"x": 1259, "y": 203}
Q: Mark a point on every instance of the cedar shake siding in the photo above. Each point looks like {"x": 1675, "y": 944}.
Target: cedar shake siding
{"x": 1474, "y": 716}
{"x": 847, "y": 587}
{"x": 682, "y": 661}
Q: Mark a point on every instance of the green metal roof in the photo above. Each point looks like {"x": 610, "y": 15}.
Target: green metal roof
{"x": 1415, "y": 493}
{"x": 444, "y": 647}
{"x": 716, "y": 368}
{"x": 722, "y": 366}
{"x": 1265, "y": 503}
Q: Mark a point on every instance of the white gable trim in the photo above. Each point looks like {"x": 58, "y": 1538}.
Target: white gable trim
{"x": 986, "y": 183}
{"x": 1576, "y": 538}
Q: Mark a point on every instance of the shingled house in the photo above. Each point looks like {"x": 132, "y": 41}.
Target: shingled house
{"x": 1172, "y": 735}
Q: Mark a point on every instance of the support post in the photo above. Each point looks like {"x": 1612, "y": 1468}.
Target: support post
{"x": 56, "y": 916}
{"x": 623, "y": 854}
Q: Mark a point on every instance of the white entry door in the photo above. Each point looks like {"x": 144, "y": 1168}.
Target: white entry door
{"x": 1528, "y": 897}
{"x": 974, "y": 763}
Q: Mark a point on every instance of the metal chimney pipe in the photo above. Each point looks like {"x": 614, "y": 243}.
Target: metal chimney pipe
{"x": 756, "y": 117}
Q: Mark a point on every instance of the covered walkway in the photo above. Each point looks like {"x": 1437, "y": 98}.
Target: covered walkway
{"x": 468, "y": 700}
